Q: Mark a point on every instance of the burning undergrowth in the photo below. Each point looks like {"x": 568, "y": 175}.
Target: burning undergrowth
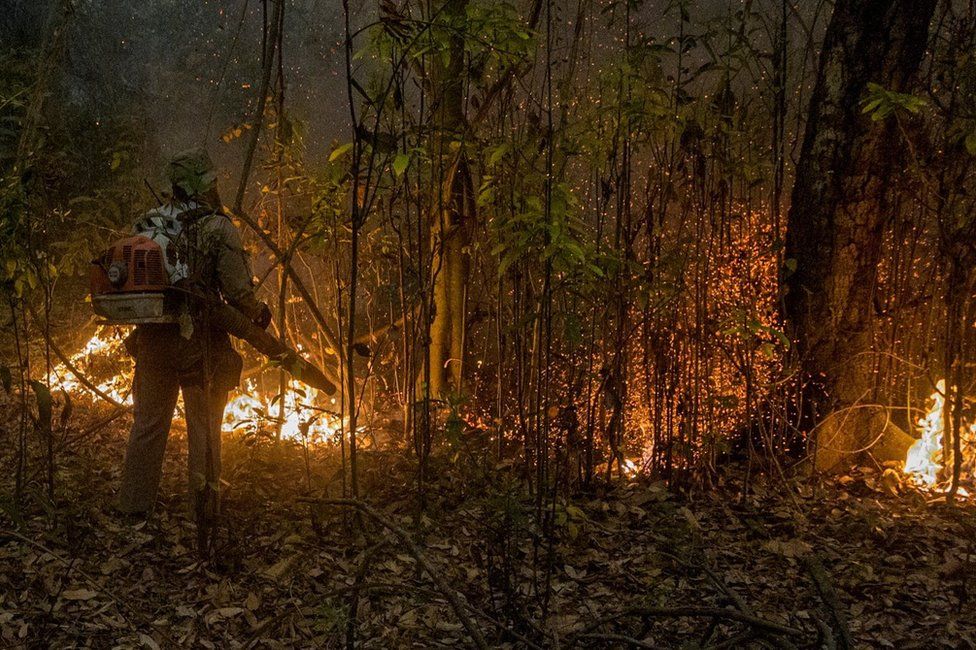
{"x": 299, "y": 414}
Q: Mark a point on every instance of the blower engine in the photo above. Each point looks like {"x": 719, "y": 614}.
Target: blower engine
{"x": 130, "y": 280}
{"x": 132, "y": 283}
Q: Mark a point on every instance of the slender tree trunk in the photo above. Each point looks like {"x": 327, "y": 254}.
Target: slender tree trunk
{"x": 452, "y": 213}
{"x": 838, "y": 213}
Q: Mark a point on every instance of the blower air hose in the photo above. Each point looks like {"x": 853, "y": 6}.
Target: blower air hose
{"x": 238, "y": 325}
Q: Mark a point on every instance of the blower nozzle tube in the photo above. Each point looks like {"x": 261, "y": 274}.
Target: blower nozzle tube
{"x": 238, "y": 325}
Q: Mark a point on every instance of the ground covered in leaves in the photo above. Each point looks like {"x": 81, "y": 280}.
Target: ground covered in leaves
{"x": 791, "y": 565}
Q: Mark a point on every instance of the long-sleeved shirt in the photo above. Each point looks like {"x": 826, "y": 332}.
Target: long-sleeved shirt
{"x": 207, "y": 254}
{"x": 226, "y": 263}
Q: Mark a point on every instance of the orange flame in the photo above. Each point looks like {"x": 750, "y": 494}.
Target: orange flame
{"x": 924, "y": 461}
{"x": 248, "y": 408}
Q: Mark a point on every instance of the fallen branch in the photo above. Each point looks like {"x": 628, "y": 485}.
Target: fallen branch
{"x": 826, "y": 641}
{"x": 366, "y": 559}
{"x": 821, "y": 580}
{"x": 454, "y": 598}
{"x": 740, "y": 604}
{"x": 82, "y": 379}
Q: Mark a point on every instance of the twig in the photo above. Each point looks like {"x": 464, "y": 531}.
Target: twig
{"x": 740, "y": 604}
{"x": 238, "y": 209}
{"x": 367, "y": 560}
{"x": 691, "y": 611}
{"x": 258, "y": 118}
{"x": 738, "y": 641}
{"x": 263, "y": 627}
{"x": 618, "y": 639}
{"x": 85, "y": 381}
{"x": 280, "y": 258}
{"x": 456, "y": 600}
{"x": 737, "y": 600}
{"x": 526, "y": 641}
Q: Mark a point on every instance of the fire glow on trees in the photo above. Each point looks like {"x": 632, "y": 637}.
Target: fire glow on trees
{"x": 252, "y": 411}
{"x": 249, "y": 409}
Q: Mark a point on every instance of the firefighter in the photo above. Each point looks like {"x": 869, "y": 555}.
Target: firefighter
{"x": 191, "y": 355}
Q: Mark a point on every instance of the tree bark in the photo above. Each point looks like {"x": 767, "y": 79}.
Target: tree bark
{"x": 452, "y": 213}
{"x": 838, "y": 213}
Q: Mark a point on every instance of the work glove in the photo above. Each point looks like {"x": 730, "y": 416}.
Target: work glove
{"x": 263, "y": 319}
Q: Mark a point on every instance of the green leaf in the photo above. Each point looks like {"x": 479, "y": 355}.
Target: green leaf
{"x": 879, "y": 102}
{"x": 43, "y": 394}
{"x": 970, "y": 143}
{"x": 339, "y": 151}
{"x": 498, "y": 153}
{"x": 400, "y": 164}
{"x": 778, "y": 334}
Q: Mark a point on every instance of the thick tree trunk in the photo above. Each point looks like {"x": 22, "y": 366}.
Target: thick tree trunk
{"x": 837, "y": 217}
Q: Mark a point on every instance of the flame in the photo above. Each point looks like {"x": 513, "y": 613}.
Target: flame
{"x": 632, "y": 467}
{"x": 248, "y": 409}
{"x": 924, "y": 461}
{"x": 300, "y": 420}
{"x": 106, "y": 343}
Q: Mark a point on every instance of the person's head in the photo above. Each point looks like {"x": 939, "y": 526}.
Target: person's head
{"x": 193, "y": 177}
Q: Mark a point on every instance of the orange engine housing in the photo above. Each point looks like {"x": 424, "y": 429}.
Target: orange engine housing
{"x": 133, "y": 264}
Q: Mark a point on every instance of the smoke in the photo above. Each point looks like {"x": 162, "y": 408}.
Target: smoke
{"x": 180, "y": 73}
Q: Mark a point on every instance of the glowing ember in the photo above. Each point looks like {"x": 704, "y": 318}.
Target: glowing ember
{"x": 248, "y": 410}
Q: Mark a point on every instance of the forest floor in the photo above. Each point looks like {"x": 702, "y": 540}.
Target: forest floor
{"x": 789, "y": 566}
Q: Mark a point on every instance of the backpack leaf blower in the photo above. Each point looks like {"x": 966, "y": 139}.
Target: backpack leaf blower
{"x": 139, "y": 279}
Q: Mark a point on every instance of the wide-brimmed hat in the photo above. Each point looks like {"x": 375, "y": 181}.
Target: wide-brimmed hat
{"x": 192, "y": 171}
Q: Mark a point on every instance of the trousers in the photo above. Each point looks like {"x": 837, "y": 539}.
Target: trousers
{"x": 160, "y": 376}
